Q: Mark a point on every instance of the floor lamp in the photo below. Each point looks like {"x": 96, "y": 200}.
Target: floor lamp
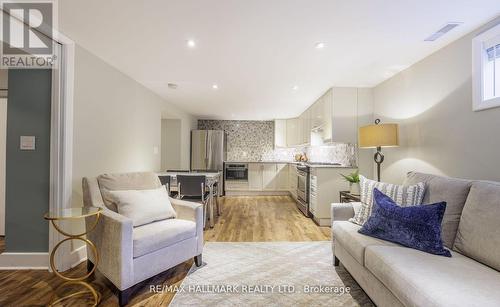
{"x": 378, "y": 136}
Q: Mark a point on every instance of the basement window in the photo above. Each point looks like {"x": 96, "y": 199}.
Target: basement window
{"x": 486, "y": 69}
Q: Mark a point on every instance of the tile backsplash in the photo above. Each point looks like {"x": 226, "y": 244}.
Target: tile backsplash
{"x": 247, "y": 140}
{"x": 254, "y": 141}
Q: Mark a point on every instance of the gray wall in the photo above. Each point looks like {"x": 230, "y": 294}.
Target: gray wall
{"x": 28, "y": 172}
{"x": 440, "y": 134}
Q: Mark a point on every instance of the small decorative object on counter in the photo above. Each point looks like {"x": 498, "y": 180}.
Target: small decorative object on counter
{"x": 298, "y": 157}
{"x": 353, "y": 179}
{"x": 303, "y": 158}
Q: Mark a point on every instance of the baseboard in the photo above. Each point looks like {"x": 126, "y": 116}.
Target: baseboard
{"x": 256, "y": 193}
{"x": 77, "y": 256}
{"x": 24, "y": 261}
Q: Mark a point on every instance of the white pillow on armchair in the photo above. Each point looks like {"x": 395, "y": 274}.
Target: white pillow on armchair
{"x": 144, "y": 206}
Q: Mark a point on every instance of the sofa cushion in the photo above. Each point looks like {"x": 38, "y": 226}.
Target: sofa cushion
{"x": 346, "y": 234}
{"x": 125, "y": 181}
{"x": 479, "y": 231}
{"x": 450, "y": 190}
{"x": 420, "y": 279}
{"x": 403, "y": 195}
{"x": 152, "y": 237}
{"x": 418, "y": 227}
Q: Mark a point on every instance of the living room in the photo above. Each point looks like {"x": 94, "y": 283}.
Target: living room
{"x": 355, "y": 144}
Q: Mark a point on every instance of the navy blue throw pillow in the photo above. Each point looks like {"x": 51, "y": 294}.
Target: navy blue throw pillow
{"x": 418, "y": 227}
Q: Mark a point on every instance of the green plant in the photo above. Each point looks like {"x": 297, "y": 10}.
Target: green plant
{"x": 352, "y": 177}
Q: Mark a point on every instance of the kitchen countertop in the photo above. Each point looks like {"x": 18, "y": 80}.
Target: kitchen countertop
{"x": 313, "y": 165}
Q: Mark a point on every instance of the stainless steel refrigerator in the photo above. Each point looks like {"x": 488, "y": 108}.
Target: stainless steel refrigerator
{"x": 208, "y": 150}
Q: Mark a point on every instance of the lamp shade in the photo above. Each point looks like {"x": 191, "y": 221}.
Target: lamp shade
{"x": 381, "y": 135}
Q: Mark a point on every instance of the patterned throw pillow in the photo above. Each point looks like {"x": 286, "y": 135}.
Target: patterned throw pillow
{"x": 404, "y": 196}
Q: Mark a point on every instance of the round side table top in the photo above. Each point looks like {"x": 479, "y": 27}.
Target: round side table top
{"x": 72, "y": 213}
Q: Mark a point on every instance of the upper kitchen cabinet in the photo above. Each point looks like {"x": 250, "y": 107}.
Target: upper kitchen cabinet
{"x": 305, "y": 127}
{"x": 292, "y": 132}
{"x": 280, "y": 133}
{"x": 335, "y": 117}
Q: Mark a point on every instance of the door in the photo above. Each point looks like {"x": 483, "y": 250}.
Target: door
{"x": 3, "y": 142}
{"x": 215, "y": 150}
{"x": 198, "y": 150}
{"x": 255, "y": 176}
{"x": 269, "y": 176}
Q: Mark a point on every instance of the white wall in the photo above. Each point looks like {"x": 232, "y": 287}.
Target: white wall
{"x": 117, "y": 123}
{"x": 440, "y": 134}
{"x": 171, "y": 143}
{"x": 3, "y": 141}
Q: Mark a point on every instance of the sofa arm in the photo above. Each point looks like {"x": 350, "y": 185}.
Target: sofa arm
{"x": 113, "y": 240}
{"x": 188, "y": 210}
{"x": 343, "y": 211}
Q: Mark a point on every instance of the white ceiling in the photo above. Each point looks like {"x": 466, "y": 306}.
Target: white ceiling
{"x": 258, "y": 50}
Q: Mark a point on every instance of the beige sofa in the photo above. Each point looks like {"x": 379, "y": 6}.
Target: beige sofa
{"x": 129, "y": 255}
{"x": 393, "y": 275}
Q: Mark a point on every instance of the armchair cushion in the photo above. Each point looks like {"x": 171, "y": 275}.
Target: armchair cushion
{"x": 143, "y": 206}
{"x": 125, "y": 181}
{"x": 154, "y": 236}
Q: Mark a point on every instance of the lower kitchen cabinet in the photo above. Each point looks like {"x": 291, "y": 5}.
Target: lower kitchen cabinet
{"x": 255, "y": 176}
{"x": 264, "y": 177}
{"x": 325, "y": 185}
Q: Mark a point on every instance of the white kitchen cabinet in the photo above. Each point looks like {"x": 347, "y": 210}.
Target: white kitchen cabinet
{"x": 280, "y": 133}
{"x": 325, "y": 185}
{"x": 255, "y": 176}
{"x": 281, "y": 177}
{"x": 292, "y": 180}
{"x": 306, "y": 127}
{"x": 269, "y": 177}
{"x": 292, "y": 132}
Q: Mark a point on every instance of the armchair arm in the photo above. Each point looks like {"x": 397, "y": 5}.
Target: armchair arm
{"x": 113, "y": 240}
{"x": 191, "y": 211}
{"x": 343, "y": 211}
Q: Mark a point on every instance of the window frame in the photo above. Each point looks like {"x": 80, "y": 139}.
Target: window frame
{"x": 478, "y": 59}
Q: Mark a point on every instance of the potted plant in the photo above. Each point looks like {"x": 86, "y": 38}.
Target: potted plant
{"x": 353, "y": 179}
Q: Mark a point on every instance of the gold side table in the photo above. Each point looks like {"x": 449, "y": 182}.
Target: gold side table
{"x": 74, "y": 214}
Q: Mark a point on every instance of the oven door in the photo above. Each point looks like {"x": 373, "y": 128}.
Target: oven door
{"x": 237, "y": 172}
{"x": 302, "y": 186}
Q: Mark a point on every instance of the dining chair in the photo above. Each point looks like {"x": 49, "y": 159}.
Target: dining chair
{"x": 165, "y": 180}
{"x": 193, "y": 188}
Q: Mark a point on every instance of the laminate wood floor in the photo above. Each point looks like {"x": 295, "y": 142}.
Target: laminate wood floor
{"x": 244, "y": 219}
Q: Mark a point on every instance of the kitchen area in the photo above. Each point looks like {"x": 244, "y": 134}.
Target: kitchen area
{"x": 302, "y": 157}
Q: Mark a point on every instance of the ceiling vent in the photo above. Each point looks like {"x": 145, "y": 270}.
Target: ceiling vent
{"x": 172, "y": 86}
{"x": 447, "y": 28}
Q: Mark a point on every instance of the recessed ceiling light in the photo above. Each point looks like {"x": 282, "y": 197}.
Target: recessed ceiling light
{"x": 295, "y": 87}
{"x": 191, "y": 43}
{"x": 215, "y": 87}
{"x": 320, "y": 45}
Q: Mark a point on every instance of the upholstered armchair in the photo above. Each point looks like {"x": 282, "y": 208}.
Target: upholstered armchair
{"x": 129, "y": 255}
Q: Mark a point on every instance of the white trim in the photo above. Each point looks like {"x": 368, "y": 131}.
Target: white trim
{"x": 478, "y": 58}
{"x": 78, "y": 255}
{"x": 256, "y": 193}
{"x": 24, "y": 261}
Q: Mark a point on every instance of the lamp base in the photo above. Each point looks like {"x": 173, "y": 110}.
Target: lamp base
{"x": 378, "y": 158}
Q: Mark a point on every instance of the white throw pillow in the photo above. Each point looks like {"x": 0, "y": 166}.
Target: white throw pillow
{"x": 405, "y": 196}
{"x": 144, "y": 206}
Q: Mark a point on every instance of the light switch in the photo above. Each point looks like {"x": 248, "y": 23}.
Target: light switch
{"x": 27, "y": 142}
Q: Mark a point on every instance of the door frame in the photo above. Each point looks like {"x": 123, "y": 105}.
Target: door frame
{"x": 61, "y": 157}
